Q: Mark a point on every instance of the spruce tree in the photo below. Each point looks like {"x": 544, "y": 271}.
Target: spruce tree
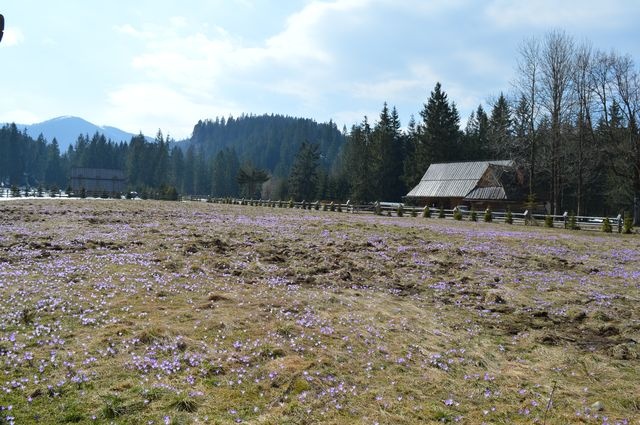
{"x": 303, "y": 181}
{"x": 508, "y": 218}
{"x": 387, "y": 155}
{"x": 358, "y": 162}
{"x": 499, "y": 134}
{"x": 488, "y": 215}
{"x": 475, "y": 136}
{"x": 628, "y": 223}
{"x": 413, "y": 166}
{"x": 439, "y": 132}
{"x": 606, "y": 225}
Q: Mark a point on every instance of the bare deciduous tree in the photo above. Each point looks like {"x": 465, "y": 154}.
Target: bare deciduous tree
{"x": 527, "y": 88}
{"x": 627, "y": 90}
{"x": 556, "y": 66}
{"x": 584, "y": 148}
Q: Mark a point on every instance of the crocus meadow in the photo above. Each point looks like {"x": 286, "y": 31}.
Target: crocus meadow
{"x": 148, "y": 312}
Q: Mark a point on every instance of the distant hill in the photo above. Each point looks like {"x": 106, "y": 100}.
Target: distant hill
{"x": 270, "y": 142}
{"x": 66, "y": 130}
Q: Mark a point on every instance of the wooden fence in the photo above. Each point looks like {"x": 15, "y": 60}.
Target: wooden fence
{"x": 397, "y": 209}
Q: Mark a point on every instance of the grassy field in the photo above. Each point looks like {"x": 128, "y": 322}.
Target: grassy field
{"x": 141, "y": 312}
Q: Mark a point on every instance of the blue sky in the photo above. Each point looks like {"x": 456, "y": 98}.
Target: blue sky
{"x": 146, "y": 65}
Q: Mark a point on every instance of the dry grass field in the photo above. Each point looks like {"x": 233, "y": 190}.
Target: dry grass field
{"x": 142, "y": 312}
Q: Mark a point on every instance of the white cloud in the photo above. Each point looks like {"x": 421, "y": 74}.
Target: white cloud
{"x": 12, "y": 37}
{"x": 159, "y": 106}
{"x": 128, "y": 29}
{"x": 188, "y": 69}
{"x": 431, "y": 7}
{"x": 480, "y": 61}
{"x": 407, "y": 84}
{"x": 387, "y": 88}
{"x": 301, "y": 38}
{"x": 323, "y": 61}
{"x": 349, "y": 118}
{"x": 20, "y": 116}
{"x": 551, "y": 13}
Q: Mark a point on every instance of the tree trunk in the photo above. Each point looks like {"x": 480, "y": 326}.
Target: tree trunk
{"x": 636, "y": 196}
{"x": 532, "y": 168}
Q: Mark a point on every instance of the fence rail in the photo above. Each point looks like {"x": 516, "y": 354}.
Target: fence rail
{"x": 397, "y": 209}
{"x": 401, "y": 210}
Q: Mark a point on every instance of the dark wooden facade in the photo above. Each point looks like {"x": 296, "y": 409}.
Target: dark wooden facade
{"x": 98, "y": 181}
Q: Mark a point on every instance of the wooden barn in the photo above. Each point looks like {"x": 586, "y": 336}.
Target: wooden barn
{"x": 479, "y": 184}
{"x": 98, "y": 181}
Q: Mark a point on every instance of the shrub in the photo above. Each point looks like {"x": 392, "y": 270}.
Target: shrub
{"x": 15, "y": 191}
{"x": 548, "y": 221}
{"x": 169, "y": 193}
{"x": 508, "y": 218}
{"x": 627, "y": 223}
{"x": 488, "y": 215}
{"x": 426, "y": 212}
{"x": 27, "y": 316}
{"x": 573, "y": 222}
{"x": 113, "y": 407}
{"x": 400, "y": 211}
{"x": 606, "y": 225}
{"x": 441, "y": 212}
{"x": 457, "y": 214}
{"x": 184, "y": 403}
{"x": 290, "y": 203}
{"x": 474, "y": 215}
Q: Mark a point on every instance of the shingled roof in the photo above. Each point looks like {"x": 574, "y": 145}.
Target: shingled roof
{"x": 461, "y": 180}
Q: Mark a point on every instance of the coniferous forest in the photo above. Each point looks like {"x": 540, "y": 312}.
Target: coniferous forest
{"x": 570, "y": 119}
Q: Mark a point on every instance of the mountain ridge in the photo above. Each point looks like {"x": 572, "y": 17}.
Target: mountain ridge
{"x": 66, "y": 129}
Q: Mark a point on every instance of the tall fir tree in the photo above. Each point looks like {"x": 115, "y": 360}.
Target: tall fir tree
{"x": 177, "y": 168}
{"x": 358, "y": 162}
{"x": 161, "y": 171}
{"x": 476, "y": 136}
{"x": 225, "y": 168}
{"x": 303, "y": 181}
{"x": 440, "y": 128}
{"x": 500, "y": 132}
{"x": 387, "y": 154}
{"x": 55, "y": 172}
{"x": 412, "y": 167}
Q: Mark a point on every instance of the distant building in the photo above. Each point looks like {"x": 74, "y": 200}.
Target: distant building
{"x": 98, "y": 181}
{"x": 480, "y": 184}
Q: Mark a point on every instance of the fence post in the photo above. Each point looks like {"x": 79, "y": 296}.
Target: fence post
{"x": 564, "y": 218}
